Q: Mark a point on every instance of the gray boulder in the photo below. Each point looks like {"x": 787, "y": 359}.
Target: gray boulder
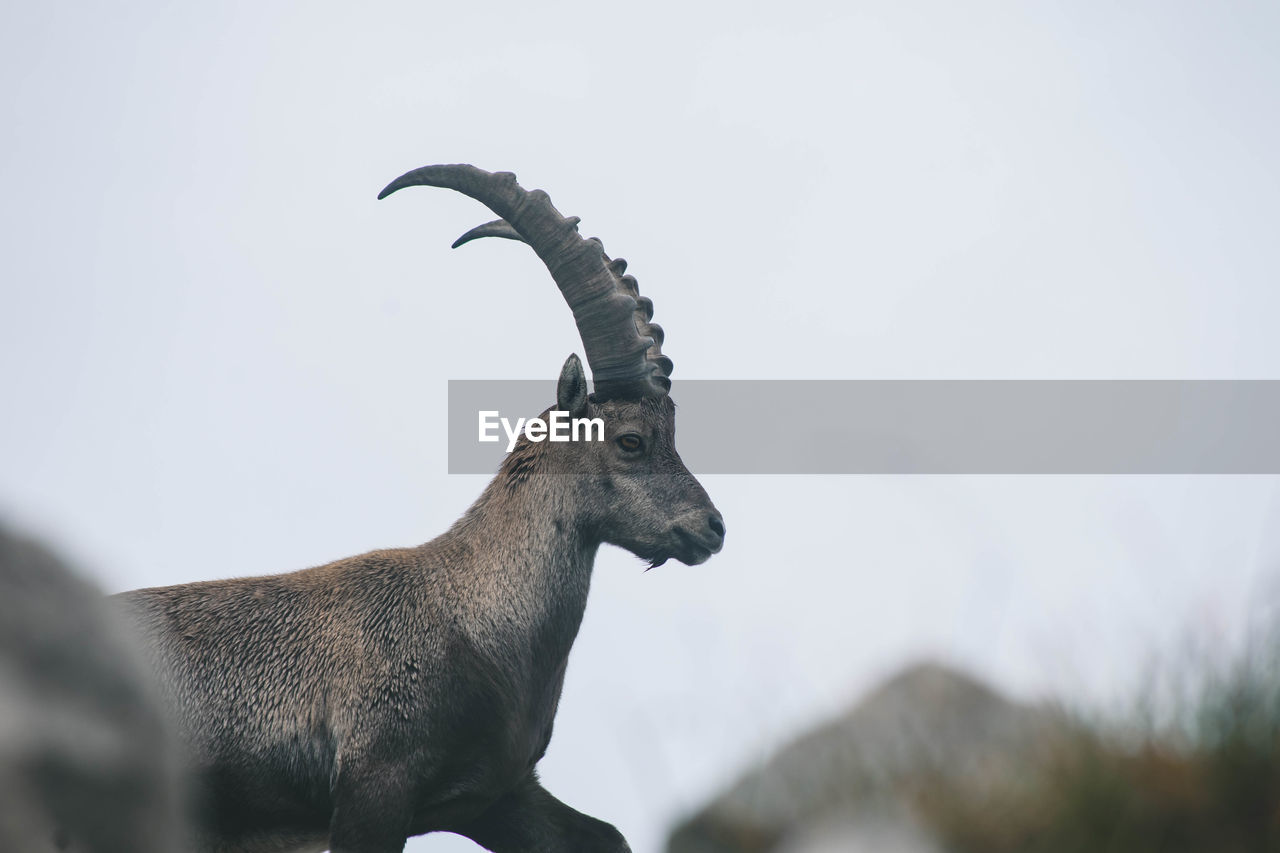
{"x": 86, "y": 762}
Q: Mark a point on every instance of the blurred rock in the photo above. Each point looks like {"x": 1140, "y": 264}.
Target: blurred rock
{"x": 852, "y": 784}
{"x": 85, "y": 758}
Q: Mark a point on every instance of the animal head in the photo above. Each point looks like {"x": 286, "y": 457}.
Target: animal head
{"x": 632, "y": 487}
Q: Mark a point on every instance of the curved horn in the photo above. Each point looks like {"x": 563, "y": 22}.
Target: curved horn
{"x": 623, "y": 347}
{"x": 496, "y": 228}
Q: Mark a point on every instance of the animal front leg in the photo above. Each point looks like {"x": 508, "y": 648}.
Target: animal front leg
{"x": 529, "y": 820}
{"x": 371, "y": 811}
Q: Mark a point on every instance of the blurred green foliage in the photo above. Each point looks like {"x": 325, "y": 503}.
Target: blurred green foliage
{"x": 1206, "y": 779}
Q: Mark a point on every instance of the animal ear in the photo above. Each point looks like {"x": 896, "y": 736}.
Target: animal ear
{"x": 571, "y": 390}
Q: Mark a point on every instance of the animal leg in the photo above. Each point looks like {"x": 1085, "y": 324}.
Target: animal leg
{"x": 371, "y": 812}
{"x": 529, "y": 820}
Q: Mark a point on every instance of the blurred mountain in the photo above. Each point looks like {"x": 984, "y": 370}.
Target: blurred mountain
{"x": 853, "y": 784}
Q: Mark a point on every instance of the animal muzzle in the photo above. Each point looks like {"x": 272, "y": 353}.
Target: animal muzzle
{"x": 699, "y": 537}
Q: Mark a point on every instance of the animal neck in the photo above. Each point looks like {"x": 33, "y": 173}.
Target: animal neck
{"x": 525, "y": 569}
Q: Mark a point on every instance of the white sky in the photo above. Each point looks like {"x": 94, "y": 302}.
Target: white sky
{"x": 221, "y": 356}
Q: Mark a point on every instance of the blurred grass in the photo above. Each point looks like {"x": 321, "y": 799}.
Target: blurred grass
{"x": 1205, "y": 778}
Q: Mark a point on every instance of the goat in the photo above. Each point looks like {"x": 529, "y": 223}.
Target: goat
{"x": 413, "y": 690}
{"x": 86, "y": 760}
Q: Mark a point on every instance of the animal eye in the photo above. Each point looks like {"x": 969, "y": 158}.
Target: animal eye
{"x": 630, "y": 442}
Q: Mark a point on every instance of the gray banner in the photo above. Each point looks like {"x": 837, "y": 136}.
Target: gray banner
{"x": 930, "y": 426}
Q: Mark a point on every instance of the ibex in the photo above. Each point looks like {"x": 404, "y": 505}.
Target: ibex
{"x": 407, "y": 691}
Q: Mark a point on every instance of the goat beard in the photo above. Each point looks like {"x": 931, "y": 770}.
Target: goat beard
{"x": 655, "y": 562}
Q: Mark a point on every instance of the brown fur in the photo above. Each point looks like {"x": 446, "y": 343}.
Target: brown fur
{"x": 406, "y": 691}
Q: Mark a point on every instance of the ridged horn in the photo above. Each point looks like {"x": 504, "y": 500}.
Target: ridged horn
{"x": 624, "y": 349}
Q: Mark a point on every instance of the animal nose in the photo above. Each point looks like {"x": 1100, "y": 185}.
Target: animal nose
{"x": 716, "y": 523}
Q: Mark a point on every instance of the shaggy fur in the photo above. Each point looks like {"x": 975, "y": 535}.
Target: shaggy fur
{"x": 406, "y": 691}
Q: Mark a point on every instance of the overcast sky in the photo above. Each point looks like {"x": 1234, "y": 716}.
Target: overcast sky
{"x": 221, "y": 356}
